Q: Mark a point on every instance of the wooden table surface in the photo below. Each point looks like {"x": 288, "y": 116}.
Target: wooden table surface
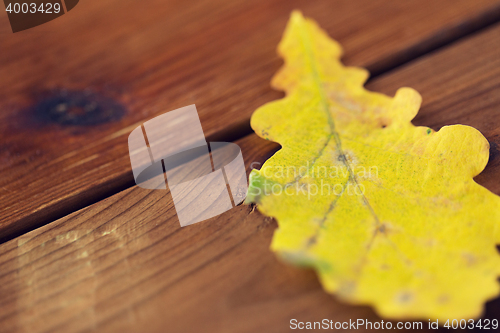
{"x": 84, "y": 249}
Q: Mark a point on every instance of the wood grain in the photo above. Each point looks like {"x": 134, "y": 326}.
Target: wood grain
{"x": 124, "y": 264}
{"x": 127, "y": 61}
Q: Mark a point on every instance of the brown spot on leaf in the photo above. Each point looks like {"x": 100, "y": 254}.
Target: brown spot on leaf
{"x": 469, "y": 258}
{"x": 443, "y": 299}
{"x": 404, "y": 297}
{"x": 384, "y": 122}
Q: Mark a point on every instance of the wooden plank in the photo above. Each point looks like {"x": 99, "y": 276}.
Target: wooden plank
{"x": 125, "y": 264}
{"x": 114, "y": 64}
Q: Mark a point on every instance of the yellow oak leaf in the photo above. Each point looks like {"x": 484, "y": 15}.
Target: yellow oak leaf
{"x": 386, "y": 212}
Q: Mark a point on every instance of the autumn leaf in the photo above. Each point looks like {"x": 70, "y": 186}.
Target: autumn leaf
{"x": 387, "y": 213}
